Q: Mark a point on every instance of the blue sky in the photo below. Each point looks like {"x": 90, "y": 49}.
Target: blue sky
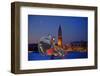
{"x": 73, "y": 28}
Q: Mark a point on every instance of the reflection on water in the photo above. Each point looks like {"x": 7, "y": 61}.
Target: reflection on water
{"x": 69, "y": 55}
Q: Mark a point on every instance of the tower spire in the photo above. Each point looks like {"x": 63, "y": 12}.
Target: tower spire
{"x": 59, "y": 36}
{"x": 59, "y": 30}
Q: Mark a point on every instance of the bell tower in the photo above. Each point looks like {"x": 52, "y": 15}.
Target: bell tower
{"x": 60, "y": 36}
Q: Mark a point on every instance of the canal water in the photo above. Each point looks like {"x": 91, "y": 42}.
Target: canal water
{"x": 69, "y": 55}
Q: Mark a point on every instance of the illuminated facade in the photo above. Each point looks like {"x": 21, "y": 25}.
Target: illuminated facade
{"x": 60, "y": 37}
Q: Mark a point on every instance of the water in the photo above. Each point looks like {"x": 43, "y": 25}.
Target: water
{"x": 70, "y": 55}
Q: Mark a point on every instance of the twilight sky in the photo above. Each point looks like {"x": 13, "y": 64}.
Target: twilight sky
{"x": 73, "y": 28}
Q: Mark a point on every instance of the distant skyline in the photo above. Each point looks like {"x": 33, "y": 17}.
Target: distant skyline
{"x": 73, "y": 28}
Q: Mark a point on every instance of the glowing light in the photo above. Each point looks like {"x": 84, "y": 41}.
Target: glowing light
{"x": 59, "y": 43}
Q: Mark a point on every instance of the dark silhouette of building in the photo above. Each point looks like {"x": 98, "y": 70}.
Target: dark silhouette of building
{"x": 79, "y": 45}
{"x": 33, "y": 47}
